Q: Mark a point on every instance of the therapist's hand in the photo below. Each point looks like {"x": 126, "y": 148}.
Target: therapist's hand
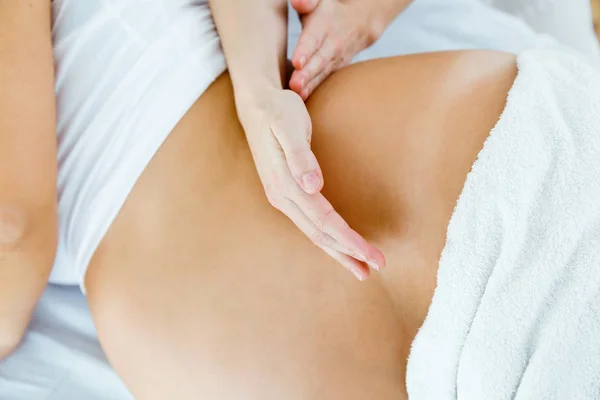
{"x": 278, "y": 129}
{"x": 333, "y": 32}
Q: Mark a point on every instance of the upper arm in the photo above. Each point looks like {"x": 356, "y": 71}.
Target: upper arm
{"x": 28, "y": 216}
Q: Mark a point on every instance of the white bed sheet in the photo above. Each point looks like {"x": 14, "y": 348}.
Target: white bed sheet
{"x": 60, "y": 358}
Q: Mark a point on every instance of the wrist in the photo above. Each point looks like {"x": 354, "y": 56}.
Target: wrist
{"x": 254, "y": 101}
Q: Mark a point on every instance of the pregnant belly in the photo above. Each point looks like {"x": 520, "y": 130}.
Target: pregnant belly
{"x": 268, "y": 311}
{"x": 202, "y": 273}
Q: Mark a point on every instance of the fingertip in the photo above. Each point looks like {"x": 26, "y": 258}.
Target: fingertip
{"x": 302, "y": 54}
{"x": 305, "y": 94}
{"x": 304, "y": 6}
{"x": 297, "y": 4}
{"x": 365, "y": 252}
{"x": 362, "y": 274}
{"x": 302, "y": 59}
{"x": 297, "y": 82}
{"x": 355, "y": 267}
{"x": 296, "y": 60}
{"x": 376, "y": 259}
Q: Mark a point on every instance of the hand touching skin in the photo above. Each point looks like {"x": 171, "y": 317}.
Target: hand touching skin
{"x": 278, "y": 128}
{"x": 333, "y": 32}
{"x": 279, "y": 136}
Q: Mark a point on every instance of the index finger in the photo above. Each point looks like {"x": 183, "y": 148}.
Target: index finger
{"x": 310, "y": 40}
{"x": 324, "y": 241}
{"x": 327, "y": 220}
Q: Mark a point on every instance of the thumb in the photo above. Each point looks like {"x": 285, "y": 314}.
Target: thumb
{"x": 305, "y": 168}
{"x": 305, "y": 6}
{"x": 300, "y": 159}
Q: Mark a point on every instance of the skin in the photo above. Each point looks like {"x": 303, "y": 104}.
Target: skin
{"x": 279, "y": 129}
{"x": 201, "y": 289}
{"x": 333, "y": 33}
{"x": 28, "y": 214}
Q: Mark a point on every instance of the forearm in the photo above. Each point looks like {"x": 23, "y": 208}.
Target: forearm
{"x": 27, "y": 105}
{"x": 27, "y": 162}
{"x": 254, "y": 39}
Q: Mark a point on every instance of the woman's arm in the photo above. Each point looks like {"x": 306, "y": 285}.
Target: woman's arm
{"x": 254, "y": 38}
{"x": 278, "y": 128}
{"x": 28, "y": 216}
{"x": 333, "y": 32}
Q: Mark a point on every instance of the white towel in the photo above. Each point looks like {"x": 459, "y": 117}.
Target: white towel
{"x": 516, "y": 312}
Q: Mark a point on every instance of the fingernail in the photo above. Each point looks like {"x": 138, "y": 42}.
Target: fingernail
{"x": 311, "y": 182}
{"x": 302, "y": 61}
{"x": 358, "y": 274}
{"x": 374, "y": 265}
{"x": 360, "y": 257}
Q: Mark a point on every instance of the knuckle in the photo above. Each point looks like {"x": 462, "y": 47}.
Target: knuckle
{"x": 275, "y": 184}
{"x": 272, "y": 197}
{"x": 321, "y": 221}
{"x": 319, "y": 238}
{"x": 318, "y": 39}
{"x": 328, "y": 71}
{"x": 291, "y": 191}
{"x": 271, "y": 179}
{"x": 298, "y": 156}
{"x": 311, "y": 42}
{"x": 274, "y": 202}
{"x": 320, "y": 63}
{"x": 338, "y": 47}
{"x": 284, "y": 190}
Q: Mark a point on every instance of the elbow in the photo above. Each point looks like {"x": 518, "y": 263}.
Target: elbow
{"x": 14, "y": 223}
{"x": 28, "y": 238}
{"x": 28, "y": 242}
{"x": 28, "y": 232}
{"x": 9, "y": 345}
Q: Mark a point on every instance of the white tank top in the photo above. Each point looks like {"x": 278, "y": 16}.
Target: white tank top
{"x": 126, "y": 72}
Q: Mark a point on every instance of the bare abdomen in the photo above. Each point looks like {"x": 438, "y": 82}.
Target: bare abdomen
{"x": 200, "y": 274}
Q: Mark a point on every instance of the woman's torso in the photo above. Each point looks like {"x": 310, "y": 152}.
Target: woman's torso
{"x": 269, "y": 303}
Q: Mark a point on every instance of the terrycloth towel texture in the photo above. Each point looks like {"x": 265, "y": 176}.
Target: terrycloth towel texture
{"x": 516, "y": 313}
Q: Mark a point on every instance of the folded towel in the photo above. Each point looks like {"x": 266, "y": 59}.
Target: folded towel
{"x": 516, "y": 312}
